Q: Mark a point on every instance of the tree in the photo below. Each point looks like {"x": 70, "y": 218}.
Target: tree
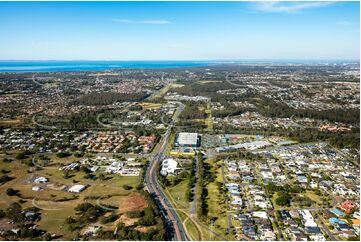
{"x": 149, "y": 217}
{"x": 283, "y": 199}
{"x": 11, "y": 192}
{"x": 63, "y": 154}
{"x": 78, "y": 154}
{"x": 14, "y": 212}
{"x": 66, "y": 174}
{"x": 7, "y": 160}
{"x": 101, "y": 177}
{"x": 21, "y": 156}
{"x": 139, "y": 187}
{"x": 83, "y": 207}
{"x": 2, "y": 213}
{"x": 127, "y": 187}
{"x": 135, "y": 214}
{"x": 5, "y": 178}
{"x": 111, "y": 218}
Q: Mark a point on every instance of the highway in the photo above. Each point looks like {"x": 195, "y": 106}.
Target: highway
{"x": 167, "y": 210}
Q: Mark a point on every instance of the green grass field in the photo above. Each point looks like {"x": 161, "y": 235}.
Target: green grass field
{"x": 216, "y": 207}
{"x": 178, "y": 193}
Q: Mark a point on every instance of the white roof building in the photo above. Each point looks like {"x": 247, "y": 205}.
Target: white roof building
{"x": 169, "y": 166}
{"x": 248, "y": 146}
{"x": 236, "y": 200}
{"x": 76, "y": 188}
{"x": 317, "y": 237}
{"x": 187, "y": 139}
{"x": 36, "y": 189}
{"x": 71, "y": 166}
{"x": 114, "y": 167}
{"x": 260, "y": 214}
{"x": 41, "y": 179}
{"x": 262, "y": 204}
{"x": 94, "y": 168}
{"x": 267, "y": 174}
{"x": 307, "y": 218}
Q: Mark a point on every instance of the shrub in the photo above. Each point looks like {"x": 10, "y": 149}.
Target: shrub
{"x": 5, "y": 178}
{"x": 135, "y": 214}
{"x": 11, "y": 192}
{"x": 109, "y": 219}
{"x": 127, "y": 187}
{"x": 63, "y": 154}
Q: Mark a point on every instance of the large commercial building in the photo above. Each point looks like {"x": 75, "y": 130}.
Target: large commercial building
{"x": 188, "y": 140}
{"x": 169, "y": 166}
{"x": 248, "y": 146}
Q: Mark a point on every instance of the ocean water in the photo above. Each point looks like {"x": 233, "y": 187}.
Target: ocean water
{"x": 57, "y": 66}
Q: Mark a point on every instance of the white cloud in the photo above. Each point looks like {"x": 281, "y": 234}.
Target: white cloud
{"x": 122, "y": 21}
{"x": 288, "y": 7}
{"x": 344, "y": 22}
{"x": 129, "y": 21}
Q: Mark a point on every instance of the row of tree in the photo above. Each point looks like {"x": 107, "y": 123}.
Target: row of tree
{"x": 191, "y": 182}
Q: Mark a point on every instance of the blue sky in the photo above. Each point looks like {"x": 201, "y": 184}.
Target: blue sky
{"x": 179, "y": 30}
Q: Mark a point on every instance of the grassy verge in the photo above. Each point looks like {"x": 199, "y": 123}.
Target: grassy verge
{"x": 171, "y": 140}
{"x": 178, "y": 193}
{"x": 193, "y": 230}
{"x": 216, "y": 204}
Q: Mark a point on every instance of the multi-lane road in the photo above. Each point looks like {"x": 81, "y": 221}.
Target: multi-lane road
{"x": 169, "y": 213}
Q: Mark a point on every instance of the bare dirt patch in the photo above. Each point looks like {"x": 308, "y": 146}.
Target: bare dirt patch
{"x": 144, "y": 229}
{"x": 56, "y": 186}
{"x": 133, "y": 202}
{"x": 127, "y": 221}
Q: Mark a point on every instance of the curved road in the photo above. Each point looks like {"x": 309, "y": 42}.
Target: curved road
{"x": 169, "y": 213}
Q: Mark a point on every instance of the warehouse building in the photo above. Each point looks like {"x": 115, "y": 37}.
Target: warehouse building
{"x": 188, "y": 140}
{"x": 77, "y": 188}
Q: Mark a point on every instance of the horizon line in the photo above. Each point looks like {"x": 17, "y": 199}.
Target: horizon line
{"x": 209, "y": 60}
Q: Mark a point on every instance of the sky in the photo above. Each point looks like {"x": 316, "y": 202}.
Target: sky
{"x": 179, "y": 30}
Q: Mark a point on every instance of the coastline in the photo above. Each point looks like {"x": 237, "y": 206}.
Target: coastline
{"x": 19, "y": 66}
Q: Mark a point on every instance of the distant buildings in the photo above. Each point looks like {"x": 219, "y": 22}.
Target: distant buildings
{"x": 113, "y": 166}
{"x": 177, "y": 97}
{"x": 248, "y": 146}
